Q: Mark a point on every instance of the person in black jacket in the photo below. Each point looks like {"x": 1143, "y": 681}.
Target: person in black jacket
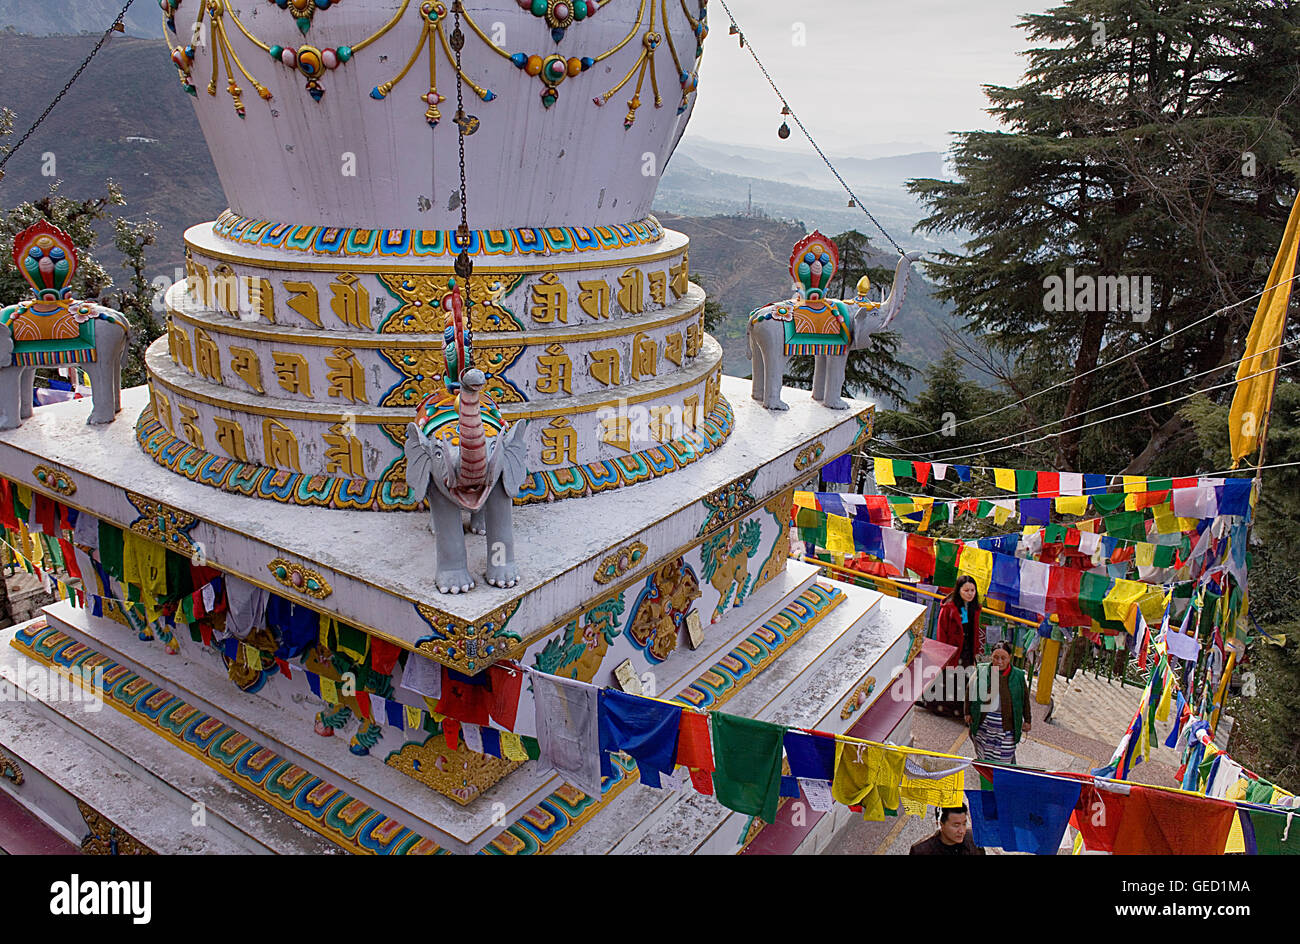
{"x": 953, "y": 836}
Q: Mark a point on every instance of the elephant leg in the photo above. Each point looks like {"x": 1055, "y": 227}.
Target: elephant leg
{"x": 11, "y": 387}
{"x": 835, "y": 382}
{"x": 819, "y": 377}
{"x": 26, "y": 393}
{"x": 103, "y": 378}
{"x": 449, "y": 535}
{"x": 478, "y": 521}
{"x": 774, "y": 359}
{"x": 756, "y": 363}
{"x": 499, "y": 515}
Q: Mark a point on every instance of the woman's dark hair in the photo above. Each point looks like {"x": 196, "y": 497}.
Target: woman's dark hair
{"x": 1005, "y": 647}
{"x": 955, "y": 597}
{"x": 951, "y": 811}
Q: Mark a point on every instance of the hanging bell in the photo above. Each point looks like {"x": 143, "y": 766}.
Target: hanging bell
{"x": 734, "y": 29}
{"x": 852, "y": 202}
{"x": 785, "y": 109}
{"x": 783, "y": 131}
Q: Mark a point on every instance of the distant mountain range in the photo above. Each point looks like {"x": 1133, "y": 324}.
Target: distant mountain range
{"x": 44, "y": 18}
{"x": 147, "y": 138}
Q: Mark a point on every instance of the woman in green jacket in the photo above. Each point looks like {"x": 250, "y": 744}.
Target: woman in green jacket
{"x": 1000, "y": 712}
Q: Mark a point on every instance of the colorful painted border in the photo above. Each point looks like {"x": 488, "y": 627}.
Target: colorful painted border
{"x": 321, "y": 491}
{"x": 432, "y": 243}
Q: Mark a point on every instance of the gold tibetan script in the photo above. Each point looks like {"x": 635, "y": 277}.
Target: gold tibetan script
{"x": 644, "y": 353}
{"x": 196, "y": 281}
{"x": 190, "y": 425}
{"x": 593, "y": 297}
{"x": 554, "y": 371}
{"x": 206, "y": 355}
{"x": 617, "y": 431}
{"x": 604, "y": 365}
{"x": 162, "y": 408}
{"x": 230, "y": 437}
{"x": 351, "y": 302}
{"x": 550, "y": 301}
{"x": 631, "y": 291}
{"x": 179, "y": 344}
{"x": 303, "y": 300}
{"x": 690, "y": 410}
{"x": 280, "y": 445}
{"x": 661, "y": 423}
{"x": 225, "y": 290}
{"x": 291, "y": 372}
{"x": 559, "y": 443}
{"x": 673, "y": 348}
{"x": 659, "y": 288}
{"x": 694, "y": 338}
{"x": 679, "y": 277}
{"x": 712, "y": 390}
{"x": 261, "y": 298}
{"x": 244, "y": 362}
{"x": 343, "y": 453}
{"x": 345, "y": 376}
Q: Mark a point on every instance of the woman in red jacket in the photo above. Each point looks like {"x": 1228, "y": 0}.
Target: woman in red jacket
{"x": 959, "y": 626}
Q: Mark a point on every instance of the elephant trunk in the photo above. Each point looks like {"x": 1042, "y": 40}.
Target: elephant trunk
{"x": 902, "y": 276}
{"x": 469, "y": 429}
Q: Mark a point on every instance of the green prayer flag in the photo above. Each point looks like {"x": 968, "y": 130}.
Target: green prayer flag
{"x": 903, "y": 470}
{"x": 1259, "y": 791}
{"x": 531, "y": 746}
{"x": 1026, "y": 482}
{"x": 1269, "y": 828}
{"x": 1164, "y": 556}
{"x": 180, "y": 578}
{"x": 1108, "y": 504}
{"x": 1127, "y": 526}
{"x": 939, "y": 513}
{"x": 1159, "y": 485}
{"x": 945, "y": 564}
{"x": 1054, "y": 534}
{"x": 984, "y": 509}
{"x": 1108, "y": 643}
{"x": 1092, "y": 591}
{"x": 806, "y": 517}
{"x": 110, "y": 549}
{"x": 747, "y": 755}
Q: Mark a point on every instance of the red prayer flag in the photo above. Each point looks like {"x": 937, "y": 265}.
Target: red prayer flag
{"x": 694, "y": 748}
{"x": 702, "y": 780}
{"x": 1156, "y": 822}
{"x": 1097, "y": 817}
{"x": 283, "y": 666}
{"x": 7, "y": 516}
{"x": 1063, "y": 597}
{"x": 463, "y": 701}
{"x": 1049, "y": 484}
{"x": 1072, "y": 537}
{"x": 920, "y": 556}
{"x": 69, "y": 558}
{"x": 383, "y": 655}
{"x": 922, "y": 471}
{"x": 363, "y": 704}
{"x": 504, "y": 704}
{"x": 450, "y": 731}
{"x": 878, "y": 512}
{"x": 1191, "y": 482}
{"x": 1148, "y": 499}
{"x": 45, "y": 513}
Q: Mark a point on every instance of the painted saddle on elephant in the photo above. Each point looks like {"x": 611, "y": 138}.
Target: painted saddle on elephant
{"x": 51, "y": 334}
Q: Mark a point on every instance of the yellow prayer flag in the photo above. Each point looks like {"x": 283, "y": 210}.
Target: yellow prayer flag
{"x": 1257, "y": 373}
{"x": 1162, "y": 709}
{"x": 927, "y": 508}
{"x": 1135, "y": 483}
{"x": 1001, "y": 514}
{"x": 978, "y": 563}
{"x": 1188, "y": 524}
{"x": 839, "y": 534}
{"x": 1072, "y": 505}
{"x": 1166, "y": 521}
{"x": 1145, "y": 554}
{"x": 1236, "y": 838}
{"x": 1121, "y": 597}
{"x": 885, "y": 472}
{"x": 252, "y": 657}
{"x": 805, "y": 500}
{"x": 1005, "y": 479}
{"x": 412, "y": 714}
{"x": 329, "y": 691}
{"x": 1130, "y": 502}
{"x": 1153, "y": 607}
{"x": 512, "y": 746}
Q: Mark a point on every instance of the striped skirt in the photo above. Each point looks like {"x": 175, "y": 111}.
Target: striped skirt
{"x": 993, "y": 743}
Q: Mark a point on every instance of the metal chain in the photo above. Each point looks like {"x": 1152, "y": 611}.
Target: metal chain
{"x": 786, "y": 105}
{"x": 49, "y": 108}
{"x": 463, "y": 264}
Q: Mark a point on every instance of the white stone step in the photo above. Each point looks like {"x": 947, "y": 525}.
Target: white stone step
{"x": 149, "y": 789}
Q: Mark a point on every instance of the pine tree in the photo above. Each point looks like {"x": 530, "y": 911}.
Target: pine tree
{"x": 1148, "y": 139}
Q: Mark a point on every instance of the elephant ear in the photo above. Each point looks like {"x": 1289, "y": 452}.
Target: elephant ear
{"x": 6, "y": 346}
{"x": 418, "y": 463}
{"x": 514, "y": 452}
{"x": 444, "y": 464}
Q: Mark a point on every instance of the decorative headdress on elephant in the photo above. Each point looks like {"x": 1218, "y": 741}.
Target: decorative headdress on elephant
{"x": 47, "y": 258}
{"x": 813, "y": 264}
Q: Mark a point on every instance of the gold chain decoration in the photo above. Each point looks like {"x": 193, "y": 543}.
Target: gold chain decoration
{"x": 60, "y": 482}
{"x": 646, "y": 61}
{"x": 215, "y": 11}
{"x": 300, "y": 578}
{"x": 620, "y": 562}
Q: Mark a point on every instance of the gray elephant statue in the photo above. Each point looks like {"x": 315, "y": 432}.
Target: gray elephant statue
{"x": 54, "y": 330}
{"x": 812, "y": 324}
{"x": 476, "y": 462}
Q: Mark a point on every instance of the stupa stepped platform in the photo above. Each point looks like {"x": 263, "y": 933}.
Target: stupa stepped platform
{"x": 80, "y": 769}
{"x": 378, "y": 569}
{"x": 855, "y": 648}
{"x": 269, "y": 751}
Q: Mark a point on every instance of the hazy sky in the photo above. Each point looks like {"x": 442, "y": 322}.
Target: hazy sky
{"x": 874, "y": 78}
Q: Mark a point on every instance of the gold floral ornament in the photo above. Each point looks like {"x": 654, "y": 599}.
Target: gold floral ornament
{"x": 168, "y": 526}
{"x": 55, "y": 480}
{"x": 10, "y": 770}
{"x": 105, "y": 838}
{"x": 460, "y": 775}
{"x": 620, "y": 562}
{"x": 300, "y": 578}
{"x": 808, "y": 455}
{"x": 859, "y": 698}
{"x": 469, "y": 647}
